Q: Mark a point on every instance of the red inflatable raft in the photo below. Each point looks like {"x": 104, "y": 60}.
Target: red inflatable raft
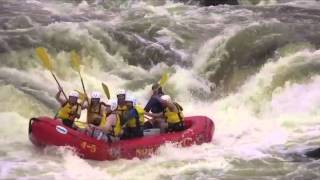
{"x": 47, "y": 131}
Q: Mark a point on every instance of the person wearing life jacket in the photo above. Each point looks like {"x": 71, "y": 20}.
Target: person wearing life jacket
{"x": 95, "y": 109}
{"x": 109, "y": 129}
{"x": 121, "y": 100}
{"x": 70, "y": 108}
{"x": 172, "y": 114}
{"x": 155, "y": 106}
{"x": 131, "y": 121}
{"x": 140, "y": 111}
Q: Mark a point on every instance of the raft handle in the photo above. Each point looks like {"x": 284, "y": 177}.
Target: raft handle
{"x": 30, "y": 124}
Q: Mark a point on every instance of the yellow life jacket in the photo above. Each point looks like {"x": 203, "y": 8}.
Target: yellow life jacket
{"x": 67, "y": 110}
{"x": 103, "y": 121}
{"x": 132, "y": 123}
{"x": 140, "y": 111}
{"x": 93, "y": 114}
{"x": 122, "y": 109}
{"x": 116, "y": 130}
{"x": 174, "y": 117}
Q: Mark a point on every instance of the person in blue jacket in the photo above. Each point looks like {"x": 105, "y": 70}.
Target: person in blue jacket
{"x": 154, "y": 105}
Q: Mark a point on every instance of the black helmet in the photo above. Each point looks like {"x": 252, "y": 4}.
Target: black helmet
{"x": 158, "y": 88}
{"x": 155, "y": 86}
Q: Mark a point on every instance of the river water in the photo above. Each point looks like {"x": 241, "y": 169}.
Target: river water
{"x": 253, "y": 68}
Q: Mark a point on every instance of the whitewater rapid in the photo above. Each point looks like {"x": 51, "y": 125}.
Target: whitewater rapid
{"x": 252, "y": 68}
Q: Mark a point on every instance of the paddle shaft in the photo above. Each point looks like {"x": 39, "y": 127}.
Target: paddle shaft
{"x": 55, "y": 78}
{"x": 81, "y": 122}
{"x": 84, "y": 89}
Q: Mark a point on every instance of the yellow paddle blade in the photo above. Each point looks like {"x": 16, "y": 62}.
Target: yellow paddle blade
{"x": 44, "y": 57}
{"x": 106, "y": 90}
{"x": 81, "y": 125}
{"x": 75, "y": 61}
{"x": 82, "y": 96}
{"x": 164, "y": 78}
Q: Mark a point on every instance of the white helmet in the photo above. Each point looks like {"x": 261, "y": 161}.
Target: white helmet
{"x": 166, "y": 98}
{"x": 74, "y": 94}
{"x": 134, "y": 101}
{"x": 96, "y": 95}
{"x": 129, "y": 98}
{"x": 121, "y": 92}
{"x": 113, "y": 104}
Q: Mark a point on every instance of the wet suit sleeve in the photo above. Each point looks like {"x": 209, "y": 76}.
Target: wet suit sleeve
{"x": 149, "y": 105}
{"x": 154, "y": 105}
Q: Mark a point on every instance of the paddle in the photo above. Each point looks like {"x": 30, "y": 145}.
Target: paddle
{"x": 75, "y": 63}
{"x": 164, "y": 78}
{"x": 44, "y": 57}
{"x": 82, "y": 96}
{"x": 106, "y": 90}
{"x": 80, "y": 124}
